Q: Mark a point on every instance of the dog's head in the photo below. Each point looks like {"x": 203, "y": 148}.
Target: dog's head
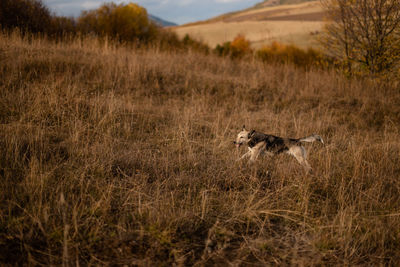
{"x": 243, "y": 137}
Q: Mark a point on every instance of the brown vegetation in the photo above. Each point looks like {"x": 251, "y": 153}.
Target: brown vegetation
{"x": 238, "y": 48}
{"x": 123, "y": 22}
{"x": 364, "y": 34}
{"x": 290, "y": 54}
{"x": 112, "y": 155}
{"x": 31, "y": 16}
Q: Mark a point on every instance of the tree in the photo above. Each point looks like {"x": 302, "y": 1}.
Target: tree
{"x": 27, "y": 15}
{"x": 122, "y": 22}
{"x": 363, "y": 33}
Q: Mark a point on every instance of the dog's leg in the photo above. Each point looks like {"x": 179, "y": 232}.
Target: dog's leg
{"x": 300, "y": 154}
{"x": 247, "y": 154}
{"x": 256, "y": 151}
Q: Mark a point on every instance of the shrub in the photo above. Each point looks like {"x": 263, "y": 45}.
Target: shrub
{"x": 188, "y": 42}
{"x": 239, "y": 47}
{"x": 283, "y": 54}
{"x": 223, "y": 50}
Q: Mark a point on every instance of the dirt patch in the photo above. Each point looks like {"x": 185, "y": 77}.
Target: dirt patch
{"x": 314, "y": 16}
{"x": 256, "y": 16}
{"x": 271, "y": 15}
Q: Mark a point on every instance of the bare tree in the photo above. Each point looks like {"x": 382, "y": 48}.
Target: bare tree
{"x": 363, "y": 33}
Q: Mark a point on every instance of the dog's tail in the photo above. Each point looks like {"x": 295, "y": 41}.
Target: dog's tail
{"x": 312, "y": 138}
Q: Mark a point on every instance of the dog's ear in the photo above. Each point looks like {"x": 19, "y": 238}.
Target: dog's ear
{"x": 244, "y": 128}
{"x": 251, "y": 133}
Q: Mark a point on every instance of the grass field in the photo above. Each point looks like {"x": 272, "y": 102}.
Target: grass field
{"x": 117, "y": 156}
{"x": 289, "y": 24}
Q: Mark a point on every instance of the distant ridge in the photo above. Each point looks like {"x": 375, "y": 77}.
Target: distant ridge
{"x": 162, "y": 22}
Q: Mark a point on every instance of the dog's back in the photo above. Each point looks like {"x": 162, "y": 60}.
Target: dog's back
{"x": 273, "y": 143}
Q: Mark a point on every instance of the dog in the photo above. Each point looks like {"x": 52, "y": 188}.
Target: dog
{"x": 259, "y": 143}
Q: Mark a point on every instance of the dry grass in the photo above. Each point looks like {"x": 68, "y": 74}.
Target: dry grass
{"x": 110, "y": 155}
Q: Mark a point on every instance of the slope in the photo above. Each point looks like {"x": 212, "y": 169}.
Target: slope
{"x": 297, "y": 24}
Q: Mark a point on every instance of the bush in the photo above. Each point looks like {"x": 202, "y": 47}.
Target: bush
{"x": 239, "y": 47}
{"x": 224, "y": 49}
{"x": 283, "y": 54}
{"x": 188, "y": 42}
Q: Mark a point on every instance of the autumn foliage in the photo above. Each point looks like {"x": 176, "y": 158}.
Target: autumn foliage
{"x": 275, "y": 53}
{"x": 121, "y": 22}
{"x": 281, "y": 53}
{"x": 239, "y": 47}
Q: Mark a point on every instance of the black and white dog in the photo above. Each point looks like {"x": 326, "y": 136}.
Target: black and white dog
{"x": 259, "y": 143}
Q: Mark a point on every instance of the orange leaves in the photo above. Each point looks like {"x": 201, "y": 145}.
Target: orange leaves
{"x": 281, "y": 53}
{"x": 240, "y": 44}
{"x": 239, "y": 47}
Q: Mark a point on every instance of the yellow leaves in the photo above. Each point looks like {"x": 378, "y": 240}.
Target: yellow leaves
{"x": 123, "y": 22}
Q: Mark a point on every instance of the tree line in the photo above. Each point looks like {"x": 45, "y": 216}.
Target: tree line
{"x": 359, "y": 37}
{"x": 122, "y": 23}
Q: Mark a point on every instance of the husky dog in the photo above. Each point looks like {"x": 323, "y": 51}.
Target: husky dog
{"x": 259, "y": 143}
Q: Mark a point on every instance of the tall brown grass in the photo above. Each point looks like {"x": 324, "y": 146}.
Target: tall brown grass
{"x": 117, "y": 156}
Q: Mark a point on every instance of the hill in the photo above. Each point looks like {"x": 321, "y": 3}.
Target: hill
{"x": 297, "y": 24}
{"x": 113, "y": 156}
{"x": 162, "y": 22}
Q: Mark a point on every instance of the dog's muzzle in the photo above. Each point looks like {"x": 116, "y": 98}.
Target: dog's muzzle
{"x": 237, "y": 144}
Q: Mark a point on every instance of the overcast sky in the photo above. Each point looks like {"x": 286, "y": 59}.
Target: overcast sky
{"x": 178, "y": 11}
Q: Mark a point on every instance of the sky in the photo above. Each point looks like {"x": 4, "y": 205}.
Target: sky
{"x": 177, "y": 11}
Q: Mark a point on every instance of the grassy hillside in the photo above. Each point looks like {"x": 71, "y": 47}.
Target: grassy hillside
{"x": 289, "y": 24}
{"x": 110, "y": 155}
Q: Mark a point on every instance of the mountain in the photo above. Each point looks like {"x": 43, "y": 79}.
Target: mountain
{"x": 295, "y": 22}
{"x": 161, "y": 22}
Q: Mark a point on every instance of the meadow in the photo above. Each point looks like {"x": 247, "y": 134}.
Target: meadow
{"x": 118, "y": 156}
